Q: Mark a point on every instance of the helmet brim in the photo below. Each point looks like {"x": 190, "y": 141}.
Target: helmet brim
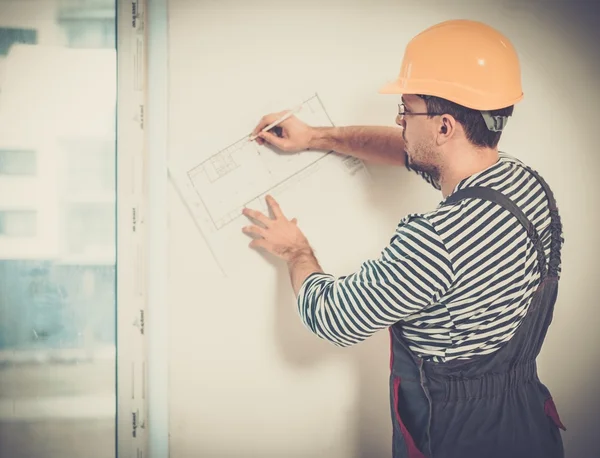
{"x": 457, "y": 93}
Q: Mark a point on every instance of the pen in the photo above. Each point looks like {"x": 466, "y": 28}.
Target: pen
{"x": 278, "y": 121}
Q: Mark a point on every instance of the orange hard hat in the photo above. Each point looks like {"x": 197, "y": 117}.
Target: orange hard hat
{"x": 464, "y": 61}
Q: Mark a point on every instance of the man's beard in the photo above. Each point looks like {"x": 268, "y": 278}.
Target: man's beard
{"x": 424, "y": 167}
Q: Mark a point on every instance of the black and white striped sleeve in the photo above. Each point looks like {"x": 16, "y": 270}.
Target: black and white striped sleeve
{"x": 412, "y": 272}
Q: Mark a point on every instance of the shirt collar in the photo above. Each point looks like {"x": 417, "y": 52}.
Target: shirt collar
{"x": 473, "y": 180}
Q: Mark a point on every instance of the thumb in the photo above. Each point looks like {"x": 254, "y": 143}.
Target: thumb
{"x": 273, "y": 139}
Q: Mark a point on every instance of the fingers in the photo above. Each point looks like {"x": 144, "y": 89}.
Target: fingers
{"x": 260, "y": 243}
{"x": 274, "y": 206}
{"x": 265, "y": 121}
{"x": 258, "y": 216}
{"x": 274, "y": 140}
{"x": 255, "y": 230}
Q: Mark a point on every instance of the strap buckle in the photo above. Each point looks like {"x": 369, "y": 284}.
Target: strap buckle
{"x": 494, "y": 123}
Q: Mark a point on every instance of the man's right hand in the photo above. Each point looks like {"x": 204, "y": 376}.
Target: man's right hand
{"x": 374, "y": 144}
{"x": 295, "y": 135}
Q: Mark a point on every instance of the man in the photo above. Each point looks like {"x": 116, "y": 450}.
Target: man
{"x": 467, "y": 290}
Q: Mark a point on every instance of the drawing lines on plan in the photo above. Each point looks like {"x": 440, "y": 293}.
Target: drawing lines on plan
{"x": 241, "y": 173}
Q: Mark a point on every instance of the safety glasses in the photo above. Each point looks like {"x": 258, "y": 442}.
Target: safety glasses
{"x": 402, "y": 111}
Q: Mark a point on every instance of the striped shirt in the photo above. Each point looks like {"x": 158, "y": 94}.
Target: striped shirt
{"x": 459, "y": 278}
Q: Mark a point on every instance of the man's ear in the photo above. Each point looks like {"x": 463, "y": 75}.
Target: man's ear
{"x": 446, "y": 129}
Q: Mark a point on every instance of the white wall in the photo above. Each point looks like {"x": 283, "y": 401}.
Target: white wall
{"x": 246, "y": 379}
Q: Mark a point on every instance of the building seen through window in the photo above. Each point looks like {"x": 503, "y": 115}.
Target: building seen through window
{"x": 57, "y": 228}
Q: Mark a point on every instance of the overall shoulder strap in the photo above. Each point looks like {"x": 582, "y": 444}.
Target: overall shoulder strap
{"x": 545, "y": 187}
{"x": 555, "y": 226}
{"x": 480, "y": 192}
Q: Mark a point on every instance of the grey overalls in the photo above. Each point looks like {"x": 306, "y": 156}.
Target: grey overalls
{"x": 491, "y": 406}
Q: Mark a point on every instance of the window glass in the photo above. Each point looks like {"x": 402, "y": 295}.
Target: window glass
{"x": 57, "y": 228}
{"x": 14, "y": 162}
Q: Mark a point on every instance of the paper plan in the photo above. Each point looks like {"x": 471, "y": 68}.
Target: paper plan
{"x": 217, "y": 188}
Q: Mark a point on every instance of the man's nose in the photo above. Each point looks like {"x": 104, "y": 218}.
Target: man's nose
{"x": 400, "y": 121}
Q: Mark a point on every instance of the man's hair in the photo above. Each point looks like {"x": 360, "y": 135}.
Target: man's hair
{"x": 473, "y": 123}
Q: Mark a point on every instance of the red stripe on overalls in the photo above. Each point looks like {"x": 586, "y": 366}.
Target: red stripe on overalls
{"x": 413, "y": 451}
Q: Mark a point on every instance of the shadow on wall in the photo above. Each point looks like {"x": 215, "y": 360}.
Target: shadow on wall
{"x": 372, "y": 429}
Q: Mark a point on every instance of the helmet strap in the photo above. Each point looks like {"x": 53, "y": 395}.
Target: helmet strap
{"x": 494, "y": 123}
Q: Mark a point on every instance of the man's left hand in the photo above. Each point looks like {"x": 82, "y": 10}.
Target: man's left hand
{"x": 279, "y": 236}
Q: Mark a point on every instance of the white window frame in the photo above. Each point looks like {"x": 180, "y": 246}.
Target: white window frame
{"x": 142, "y": 247}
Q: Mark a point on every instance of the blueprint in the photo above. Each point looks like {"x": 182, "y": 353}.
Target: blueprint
{"x": 217, "y": 187}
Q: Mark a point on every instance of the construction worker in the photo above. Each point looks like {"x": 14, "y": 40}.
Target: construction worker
{"x": 467, "y": 290}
